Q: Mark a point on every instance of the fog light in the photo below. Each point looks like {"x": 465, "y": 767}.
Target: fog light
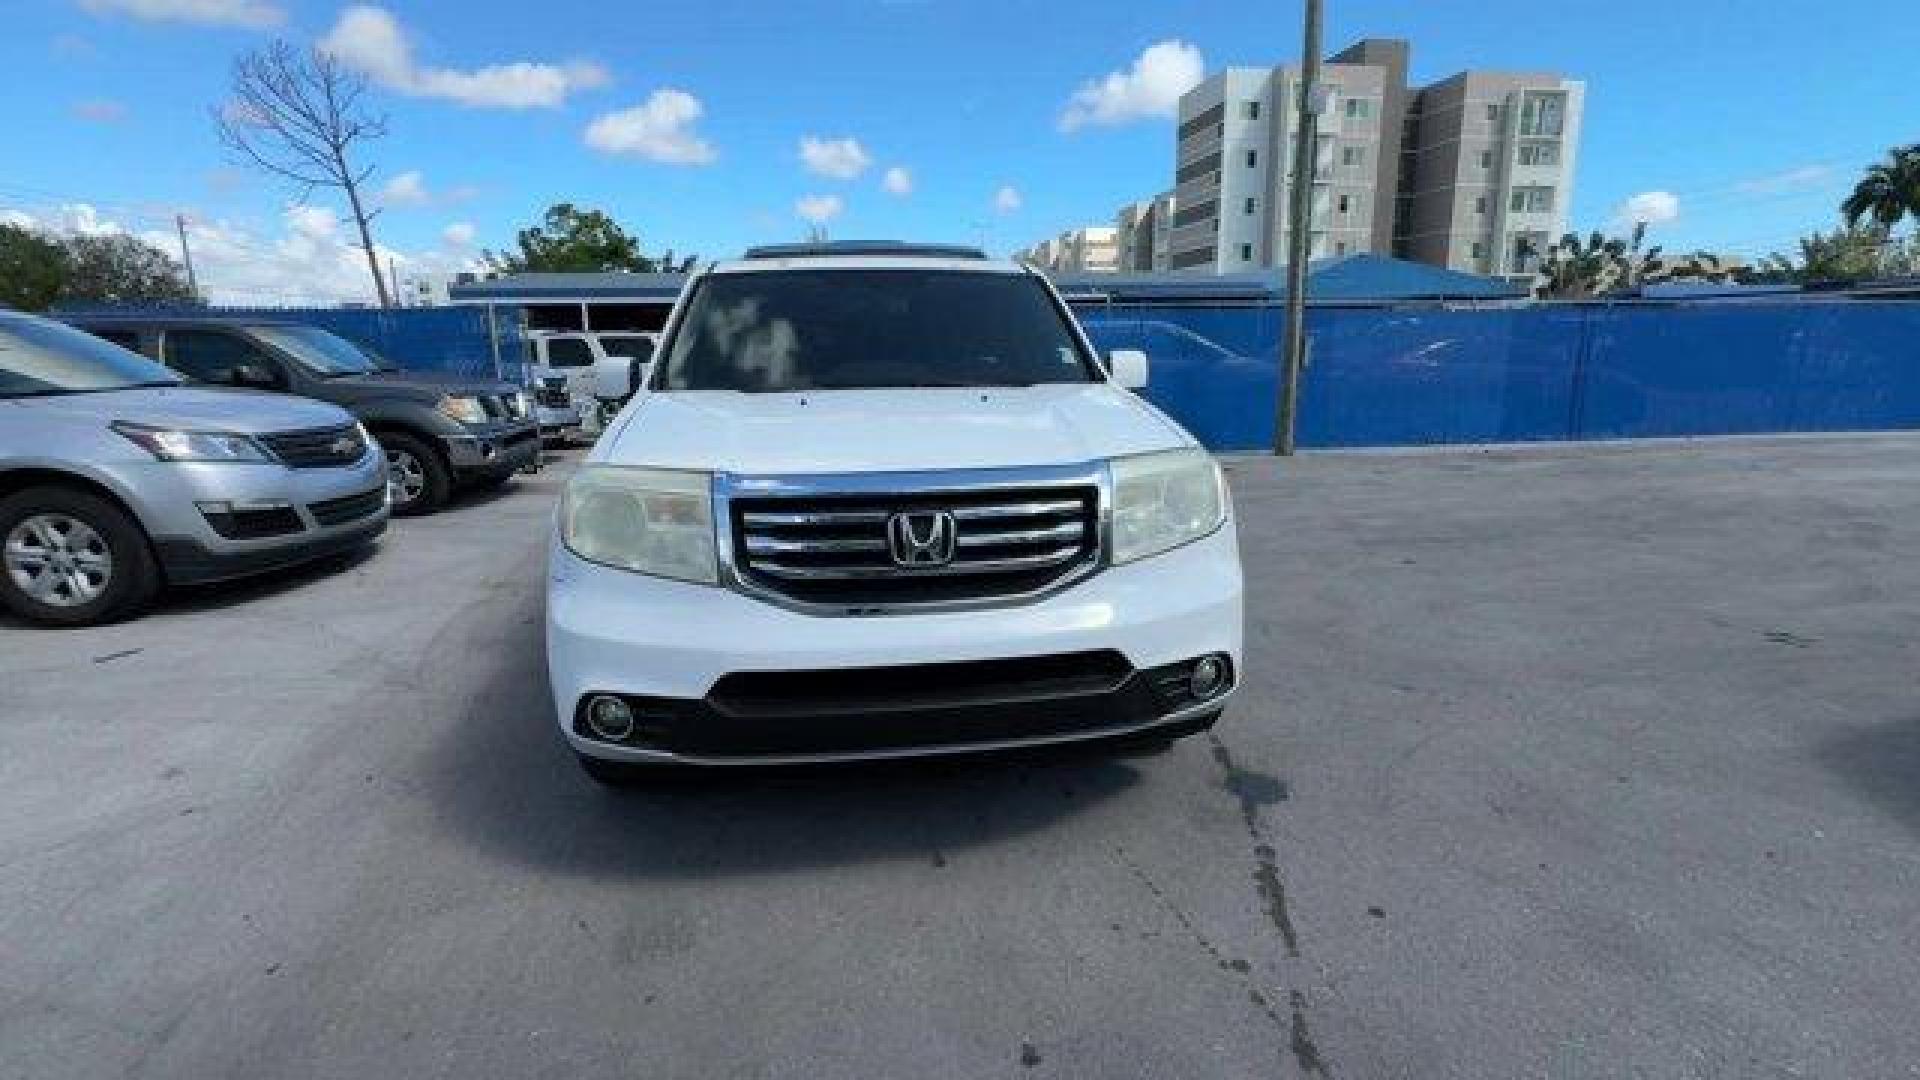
{"x": 1209, "y": 674}
{"x": 609, "y": 718}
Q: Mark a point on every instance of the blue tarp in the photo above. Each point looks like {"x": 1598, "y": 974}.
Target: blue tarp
{"x": 1408, "y": 376}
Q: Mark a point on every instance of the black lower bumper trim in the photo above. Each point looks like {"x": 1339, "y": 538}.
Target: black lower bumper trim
{"x": 1061, "y": 698}
{"x": 186, "y": 561}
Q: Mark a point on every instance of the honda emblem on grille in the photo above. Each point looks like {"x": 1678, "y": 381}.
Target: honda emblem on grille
{"x": 921, "y": 538}
{"x": 344, "y": 445}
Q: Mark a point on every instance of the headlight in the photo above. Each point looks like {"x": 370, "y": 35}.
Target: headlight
{"x": 653, "y": 521}
{"x": 1163, "y": 500}
{"x": 463, "y": 410}
{"x": 176, "y": 444}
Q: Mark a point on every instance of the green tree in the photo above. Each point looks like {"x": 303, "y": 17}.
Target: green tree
{"x": 1889, "y": 192}
{"x": 39, "y": 270}
{"x": 33, "y": 267}
{"x": 580, "y": 240}
{"x": 119, "y": 269}
{"x": 1848, "y": 253}
{"x": 1574, "y": 269}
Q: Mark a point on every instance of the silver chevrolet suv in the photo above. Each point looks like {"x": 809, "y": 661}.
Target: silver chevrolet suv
{"x": 115, "y": 478}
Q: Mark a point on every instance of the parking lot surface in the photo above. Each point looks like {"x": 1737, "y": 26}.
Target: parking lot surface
{"x": 1563, "y": 761}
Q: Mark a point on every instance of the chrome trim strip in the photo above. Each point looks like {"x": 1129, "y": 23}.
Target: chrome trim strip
{"x": 1007, "y": 510}
{"x": 769, "y": 545}
{"x": 627, "y": 753}
{"x": 730, "y": 486}
{"x": 1071, "y": 530}
{"x": 824, "y": 517}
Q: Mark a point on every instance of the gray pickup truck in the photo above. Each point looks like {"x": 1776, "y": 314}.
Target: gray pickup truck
{"x": 440, "y": 432}
{"x": 116, "y": 477}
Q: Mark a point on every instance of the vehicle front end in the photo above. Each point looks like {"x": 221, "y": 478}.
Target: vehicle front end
{"x": 880, "y": 508}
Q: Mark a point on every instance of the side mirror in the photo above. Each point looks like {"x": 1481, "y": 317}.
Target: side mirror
{"x": 257, "y": 376}
{"x": 614, "y": 377}
{"x": 1129, "y": 367}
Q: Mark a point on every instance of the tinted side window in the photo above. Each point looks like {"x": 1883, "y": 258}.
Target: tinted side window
{"x": 209, "y": 356}
{"x": 126, "y": 339}
{"x": 568, "y": 352}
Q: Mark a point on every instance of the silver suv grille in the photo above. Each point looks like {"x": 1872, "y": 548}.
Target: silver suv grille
{"x": 842, "y": 549}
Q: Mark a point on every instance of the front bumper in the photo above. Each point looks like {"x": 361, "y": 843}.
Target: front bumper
{"x": 312, "y": 513}
{"x": 658, "y": 641}
{"x": 495, "y": 450}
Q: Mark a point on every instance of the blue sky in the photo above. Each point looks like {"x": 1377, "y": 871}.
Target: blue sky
{"x": 1755, "y": 117}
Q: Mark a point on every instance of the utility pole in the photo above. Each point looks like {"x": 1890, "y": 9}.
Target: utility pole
{"x": 393, "y": 284}
{"x": 186, "y": 253}
{"x": 1299, "y": 237}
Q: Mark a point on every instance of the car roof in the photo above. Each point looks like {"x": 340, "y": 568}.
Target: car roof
{"x": 965, "y": 265}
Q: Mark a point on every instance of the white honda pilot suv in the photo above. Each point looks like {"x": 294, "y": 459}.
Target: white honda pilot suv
{"x": 881, "y": 501}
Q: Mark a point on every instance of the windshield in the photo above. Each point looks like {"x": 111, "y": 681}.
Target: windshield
{"x": 39, "y": 358}
{"x": 631, "y": 346}
{"x": 783, "y": 331}
{"x": 326, "y": 355}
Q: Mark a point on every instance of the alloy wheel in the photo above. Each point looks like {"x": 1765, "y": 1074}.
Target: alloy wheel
{"x": 406, "y": 477}
{"x": 58, "y": 560}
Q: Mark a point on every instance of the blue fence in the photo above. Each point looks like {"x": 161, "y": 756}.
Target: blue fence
{"x": 454, "y": 339}
{"x": 1404, "y": 376}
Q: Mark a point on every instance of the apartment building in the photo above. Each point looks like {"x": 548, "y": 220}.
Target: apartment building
{"x": 1396, "y": 171}
{"x": 1144, "y": 229}
{"x": 1090, "y": 249}
{"x": 1489, "y": 172}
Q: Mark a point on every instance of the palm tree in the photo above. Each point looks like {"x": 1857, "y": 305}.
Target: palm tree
{"x": 1890, "y": 190}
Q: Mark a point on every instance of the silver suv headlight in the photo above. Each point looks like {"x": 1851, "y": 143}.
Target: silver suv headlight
{"x": 651, "y": 521}
{"x": 180, "y": 444}
{"x": 1163, "y": 500}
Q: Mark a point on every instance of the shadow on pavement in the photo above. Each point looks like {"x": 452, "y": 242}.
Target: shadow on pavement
{"x": 1882, "y": 763}
{"x": 505, "y": 780}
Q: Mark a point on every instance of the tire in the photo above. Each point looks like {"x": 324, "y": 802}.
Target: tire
{"x": 417, "y": 480}
{"x": 110, "y": 572}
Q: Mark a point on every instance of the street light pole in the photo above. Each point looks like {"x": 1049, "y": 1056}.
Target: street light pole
{"x": 1299, "y": 239}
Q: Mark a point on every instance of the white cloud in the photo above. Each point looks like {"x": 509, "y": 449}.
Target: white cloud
{"x": 1648, "y": 207}
{"x": 819, "y": 209}
{"x": 100, "y": 111}
{"x": 252, "y": 14}
{"x": 842, "y": 159}
{"x": 459, "y": 234}
{"x": 897, "y": 181}
{"x": 1006, "y": 200}
{"x": 370, "y": 40}
{"x": 406, "y": 189}
{"x": 1799, "y": 179}
{"x": 660, "y": 130}
{"x": 1151, "y": 87}
{"x": 306, "y": 258}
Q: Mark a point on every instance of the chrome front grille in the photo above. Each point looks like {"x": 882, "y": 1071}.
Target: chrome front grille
{"x": 840, "y": 550}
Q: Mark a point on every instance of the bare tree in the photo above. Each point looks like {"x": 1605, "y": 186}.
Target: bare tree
{"x": 296, "y": 113}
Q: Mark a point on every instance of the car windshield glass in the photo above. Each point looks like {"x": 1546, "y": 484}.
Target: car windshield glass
{"x": 326, "y": 355}
{"x": 631, "y": 346}
{"x": 39, "y": 358}
{"x": 790, "y": 330}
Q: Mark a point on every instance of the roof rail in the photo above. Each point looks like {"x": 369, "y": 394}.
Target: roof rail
{"x": 864, "y": 249}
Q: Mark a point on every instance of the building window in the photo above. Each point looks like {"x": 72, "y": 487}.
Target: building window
{"x": 1542, "y": 155}
{"x": 1542, "y": 115}
{"x": 1359, "y": 108}
{"x": 1353, "y": 155}
{"x": 1480, "y": 205}
{"x": 1340, "y": 248}
{"x": 1253, "y": 110}
{"x": 1486, "y": 159}
{"x": 1532, "y": 200}
{"x": 1493, "y": 112}
{"x": 1479, "y": 250}
{"x": 1253, "y": 158}
{"x": 1246, "y": 252}
{"x": 1250, "y": 204}
{"x": 1346, "y": 205}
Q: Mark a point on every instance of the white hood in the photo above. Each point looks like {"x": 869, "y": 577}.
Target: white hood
{"x": 888, "y": 430}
